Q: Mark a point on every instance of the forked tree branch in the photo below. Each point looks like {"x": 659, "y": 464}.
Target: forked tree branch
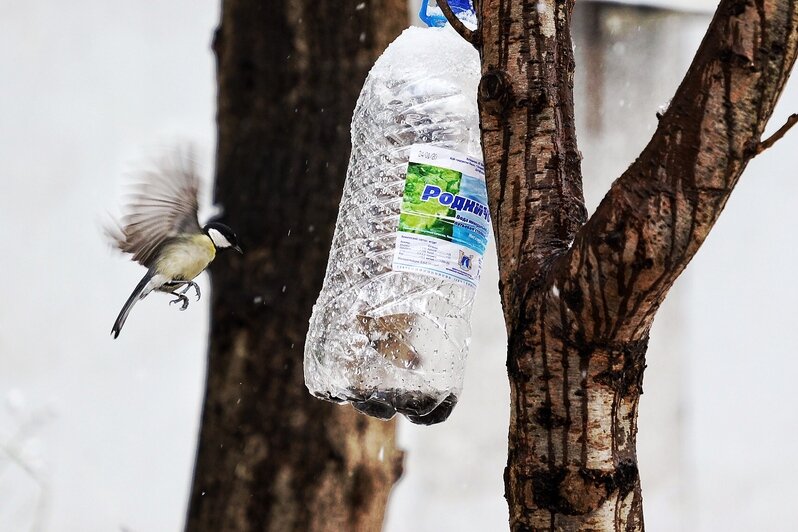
{"x": 578, "y": 297}
{"x": 658, "y": 213}
{"x": 469, "y": 35}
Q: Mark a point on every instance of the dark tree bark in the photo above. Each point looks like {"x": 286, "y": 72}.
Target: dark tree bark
{"x": 270, "y": 456}
{"x": 579, "y": 296}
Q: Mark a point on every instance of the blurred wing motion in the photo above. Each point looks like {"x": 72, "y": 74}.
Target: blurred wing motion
{"x": 163, "y": 205}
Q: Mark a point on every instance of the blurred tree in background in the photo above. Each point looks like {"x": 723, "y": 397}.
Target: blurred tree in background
{"x": 270, "y": 456}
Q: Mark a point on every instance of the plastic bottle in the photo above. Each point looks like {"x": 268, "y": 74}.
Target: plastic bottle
{"x": 391, "y": 328}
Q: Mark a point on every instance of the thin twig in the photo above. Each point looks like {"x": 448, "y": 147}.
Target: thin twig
{"x": 775, "y": 137}
{"x": 467, "y": 34}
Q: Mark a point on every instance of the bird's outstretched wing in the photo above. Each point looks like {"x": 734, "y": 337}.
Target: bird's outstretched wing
{"x": 163, "y": 205}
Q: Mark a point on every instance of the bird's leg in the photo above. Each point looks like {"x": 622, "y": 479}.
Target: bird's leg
{"x": 187, "y": 285}
{"x": 195, "y": 286}
{"x": 181, "y": 299}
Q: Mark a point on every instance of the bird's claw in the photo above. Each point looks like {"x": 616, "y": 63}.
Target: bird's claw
{"x": 192, "y": 284}
{"x": 180, "y": 299}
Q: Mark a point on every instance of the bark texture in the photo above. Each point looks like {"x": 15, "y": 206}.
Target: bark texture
{"x": 579, "y": 297}
{"x": 270, "y": 456}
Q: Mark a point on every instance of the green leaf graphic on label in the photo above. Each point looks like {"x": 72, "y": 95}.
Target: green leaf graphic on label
{"x": 428, "y": 217}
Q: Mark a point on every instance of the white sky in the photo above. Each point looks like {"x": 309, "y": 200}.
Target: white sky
{"x": 700, "y": 6}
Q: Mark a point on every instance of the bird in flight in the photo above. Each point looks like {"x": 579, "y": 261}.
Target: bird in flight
{"x": 161, "y": 230}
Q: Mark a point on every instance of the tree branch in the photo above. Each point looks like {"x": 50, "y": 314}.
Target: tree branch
{"x": 655, "y": 217}
{"x": 775, "y": 137}
{"x": 469, "y": 35}
{"x": 579, "y": 298}
{"x": 529, "y": 139}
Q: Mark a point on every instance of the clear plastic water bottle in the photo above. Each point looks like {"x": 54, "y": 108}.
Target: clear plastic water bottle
{"x": 391, "y": 328}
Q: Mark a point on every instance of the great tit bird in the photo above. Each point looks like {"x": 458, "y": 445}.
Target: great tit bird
{"x": 162, "y": 232}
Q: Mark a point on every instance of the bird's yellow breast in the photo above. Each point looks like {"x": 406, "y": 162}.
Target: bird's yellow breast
{"x": 186, "y": 258}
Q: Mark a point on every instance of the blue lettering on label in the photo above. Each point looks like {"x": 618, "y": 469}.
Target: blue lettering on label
{"x": 458, "y": 203}
{"x": 430, "y": 191}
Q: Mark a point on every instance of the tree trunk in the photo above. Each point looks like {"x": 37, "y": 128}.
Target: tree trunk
{"x": 579, "y": 297}
{"x": 270, "y": 456}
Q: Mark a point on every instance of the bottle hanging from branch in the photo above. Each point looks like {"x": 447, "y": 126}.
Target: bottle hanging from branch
{"x": 391, "y": 328}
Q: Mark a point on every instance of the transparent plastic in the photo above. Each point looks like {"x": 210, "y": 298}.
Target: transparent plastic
{"x": 384, "y": 340}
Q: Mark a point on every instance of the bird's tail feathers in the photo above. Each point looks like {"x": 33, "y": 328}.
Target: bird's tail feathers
{"x": 142, "y": 289}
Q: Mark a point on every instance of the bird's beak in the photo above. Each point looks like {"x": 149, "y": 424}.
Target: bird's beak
{"x": 238, "y": 248}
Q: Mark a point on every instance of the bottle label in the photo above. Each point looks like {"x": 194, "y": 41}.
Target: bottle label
{"x": 444, "y": 223}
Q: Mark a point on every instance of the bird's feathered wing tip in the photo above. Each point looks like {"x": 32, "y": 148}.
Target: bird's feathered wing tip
{"x": 163, "y": 204}
{"x": 112, "y": 231}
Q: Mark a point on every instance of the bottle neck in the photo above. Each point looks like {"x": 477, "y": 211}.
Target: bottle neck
{"x": 431, "y": 14}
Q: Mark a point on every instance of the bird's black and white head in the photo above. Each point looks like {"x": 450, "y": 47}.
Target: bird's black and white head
{"x": 222, "y": 236}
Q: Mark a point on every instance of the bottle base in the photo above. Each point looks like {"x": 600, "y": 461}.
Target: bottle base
{"x": 325, "y": 396}
{"x": 438, "y": 414}
{"x": 417, "y": 407}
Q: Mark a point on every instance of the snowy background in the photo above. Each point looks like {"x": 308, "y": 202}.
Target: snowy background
{"x": 99, "y": 435}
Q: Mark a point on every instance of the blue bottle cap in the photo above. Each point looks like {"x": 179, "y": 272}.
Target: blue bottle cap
{"x": 432, "y": 15}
